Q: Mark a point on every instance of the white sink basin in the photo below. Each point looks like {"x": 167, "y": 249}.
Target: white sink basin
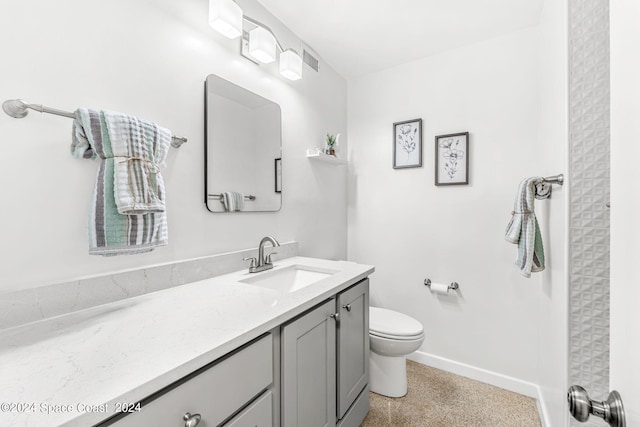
{"x": 289, "y": 279}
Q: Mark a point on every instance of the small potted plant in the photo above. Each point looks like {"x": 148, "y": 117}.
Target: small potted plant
{"x": 331, "y": 142}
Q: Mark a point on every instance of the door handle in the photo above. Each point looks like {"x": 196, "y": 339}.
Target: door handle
{"x": 581, "y": 407}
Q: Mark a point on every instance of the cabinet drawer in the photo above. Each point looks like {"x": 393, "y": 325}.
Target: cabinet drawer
{"x": 258, "y": 414}
{"x": 215, "y": 394}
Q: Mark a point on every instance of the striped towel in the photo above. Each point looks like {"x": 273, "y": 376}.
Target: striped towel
{"x": 127, "y": 213}
{"x": 232, "y": 201}
{"x": 524, "y": 231}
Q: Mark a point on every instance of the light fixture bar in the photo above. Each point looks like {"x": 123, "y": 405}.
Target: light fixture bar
{"x": 226, "y": 17}
{"x": 260, "y": 24}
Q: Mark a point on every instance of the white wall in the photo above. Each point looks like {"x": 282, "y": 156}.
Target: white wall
{"x": 410, "y": 229}
{"x": 147, "y": 58}
{"x": 552, "y": 313}
{"x": 625, "y": 204}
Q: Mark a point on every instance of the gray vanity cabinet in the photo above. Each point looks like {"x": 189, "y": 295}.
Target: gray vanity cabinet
{"x": 309, "y": 369}
{"x": 317, "y": 391}
{"x": 211, "y": 395}
{"x": 312, "y": 371}
{"x": 353, "y": 345}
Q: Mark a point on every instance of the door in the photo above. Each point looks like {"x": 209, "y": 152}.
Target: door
{"x": 625, "y": 206}
{"x": 353, "y": 344}
{"x": 309, "y": 369}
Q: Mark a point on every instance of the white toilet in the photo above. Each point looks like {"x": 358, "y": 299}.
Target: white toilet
{"x": 392, "y": 336}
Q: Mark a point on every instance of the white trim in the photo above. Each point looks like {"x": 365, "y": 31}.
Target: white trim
{"x": 488, "y": 377}
{"x": 479, "y": 374}
{"x": 542, "y": 409}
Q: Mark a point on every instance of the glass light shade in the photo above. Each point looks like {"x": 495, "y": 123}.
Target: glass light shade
{"x": 262, "y": 45}
{"x": 291, "y": 65}
{"x": 225, "y": 16}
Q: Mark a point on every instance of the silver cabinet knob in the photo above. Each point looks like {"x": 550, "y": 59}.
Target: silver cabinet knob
{"x": 335, "y": 316}
{"x": 191, "y": 420}
{"x": 347, "y": 307}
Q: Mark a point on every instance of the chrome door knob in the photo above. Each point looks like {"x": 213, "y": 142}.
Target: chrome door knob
{"x": 191, "y": 420}
{"x": 579, "y": 403}
{"x": 347, "y": 307}
{"x": 335, "y": 316}
{"x": 581, "y": 407}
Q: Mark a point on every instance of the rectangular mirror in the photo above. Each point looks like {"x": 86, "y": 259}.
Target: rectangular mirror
{"x": 243, "y": 149}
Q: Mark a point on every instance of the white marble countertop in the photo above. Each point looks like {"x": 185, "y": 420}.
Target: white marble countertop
{"x": 53, "y": 371}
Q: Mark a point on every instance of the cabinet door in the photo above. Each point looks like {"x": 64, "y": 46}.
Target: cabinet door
{"x": 353, "y": 344}
{"x": 309, "y": 369}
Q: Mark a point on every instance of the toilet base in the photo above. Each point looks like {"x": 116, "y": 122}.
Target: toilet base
{"x": 388, "y": 375}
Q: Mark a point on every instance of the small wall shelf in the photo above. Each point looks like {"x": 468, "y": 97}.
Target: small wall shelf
{"x": 312, "y": 155}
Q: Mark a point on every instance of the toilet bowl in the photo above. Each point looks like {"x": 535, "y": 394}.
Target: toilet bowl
{"x": 392, "y": 337}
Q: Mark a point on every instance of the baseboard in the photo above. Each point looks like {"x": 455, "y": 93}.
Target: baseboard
{"x": 542, "y": 409}
{"x": 493, "y": 378}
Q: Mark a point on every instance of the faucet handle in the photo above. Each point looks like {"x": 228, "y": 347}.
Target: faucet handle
{"x": 254, "y": 262}
{"x": 268, "y": 258}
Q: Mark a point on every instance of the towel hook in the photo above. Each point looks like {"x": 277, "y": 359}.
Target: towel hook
{"x": 544, "y": 191}
{"x": 555, "y": 179}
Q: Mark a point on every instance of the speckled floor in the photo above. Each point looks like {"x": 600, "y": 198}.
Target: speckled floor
{"x": 437, "y": 399}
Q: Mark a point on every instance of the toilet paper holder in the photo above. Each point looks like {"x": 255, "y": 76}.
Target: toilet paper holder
{"x": 452, "y": 286}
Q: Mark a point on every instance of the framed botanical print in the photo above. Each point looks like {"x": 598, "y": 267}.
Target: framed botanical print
{"x": 407, "y": 144}
{"x": 452, "y": 159}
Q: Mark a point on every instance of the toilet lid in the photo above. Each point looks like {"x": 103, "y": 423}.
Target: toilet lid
{"x": 385, "y": 322}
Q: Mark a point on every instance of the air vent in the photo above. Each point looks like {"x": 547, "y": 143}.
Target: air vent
{"x": 310, "y": 60}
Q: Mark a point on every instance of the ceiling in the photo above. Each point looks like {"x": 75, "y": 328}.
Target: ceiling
{"x": 358, "y": 37}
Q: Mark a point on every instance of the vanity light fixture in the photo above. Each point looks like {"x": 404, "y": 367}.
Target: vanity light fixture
{"x": 226, "y": 17}
{"x": 291, "y": 65}
{"x": 262, "y": 45}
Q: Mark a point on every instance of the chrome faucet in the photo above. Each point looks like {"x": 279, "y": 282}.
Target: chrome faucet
{"x": 263, "y": 262}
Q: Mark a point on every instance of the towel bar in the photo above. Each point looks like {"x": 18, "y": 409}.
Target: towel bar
{"x": 19, "y": 109}
{"x": 219, "y": 196}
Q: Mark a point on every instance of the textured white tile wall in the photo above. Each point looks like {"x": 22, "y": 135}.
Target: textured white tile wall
{"x": 589, "y": 128}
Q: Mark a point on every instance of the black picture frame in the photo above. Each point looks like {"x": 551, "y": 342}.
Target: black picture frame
{"x": 452, "y": 159}
{"x": 407, "y": 144}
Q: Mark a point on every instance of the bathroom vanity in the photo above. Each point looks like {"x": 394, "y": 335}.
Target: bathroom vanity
{"x": 285, "y": 347}
{"x": 301, "y": 361}
{"x": 312, "y": 356}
